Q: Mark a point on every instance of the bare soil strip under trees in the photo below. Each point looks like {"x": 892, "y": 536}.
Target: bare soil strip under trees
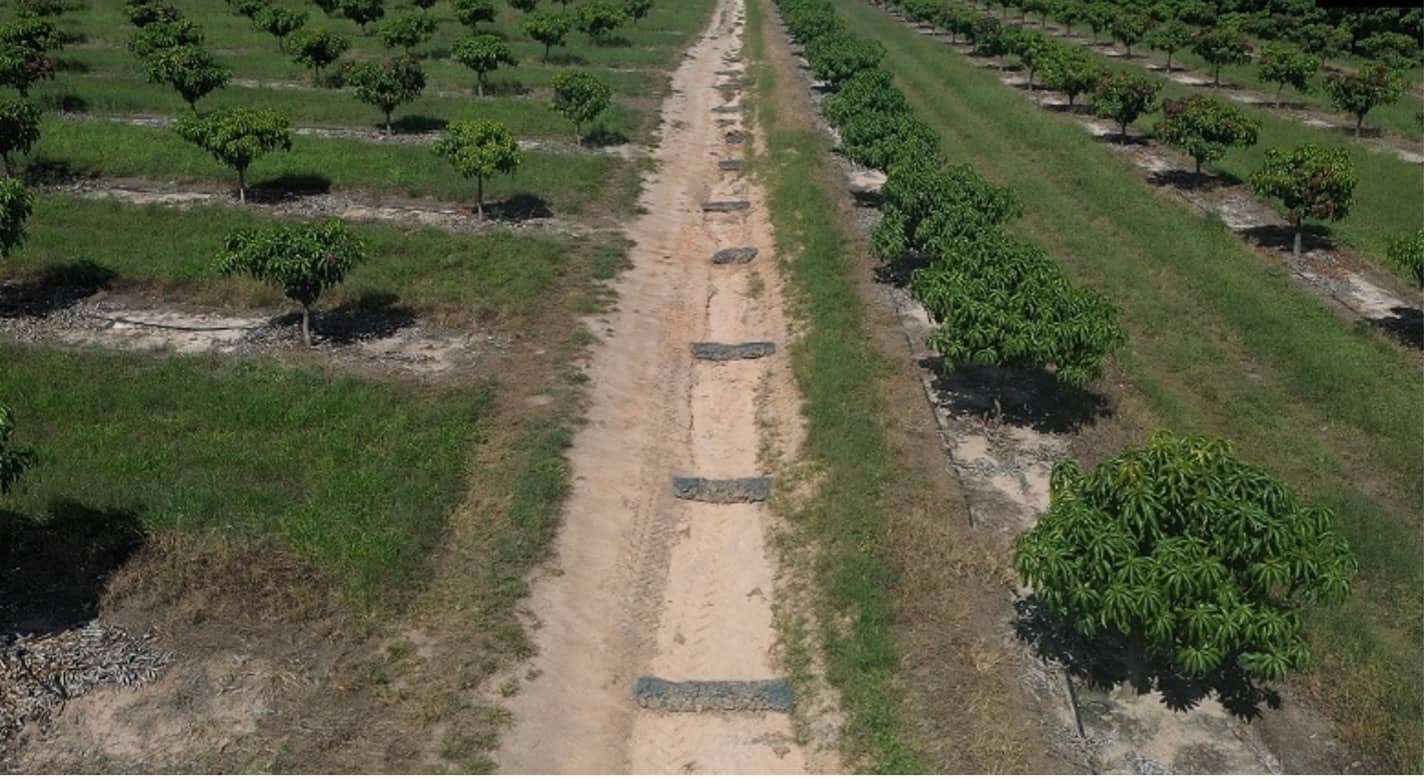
{"x": 645, "y": 585}
{"x": 1004, "y": 468}
{"x": 1325, "y": 267}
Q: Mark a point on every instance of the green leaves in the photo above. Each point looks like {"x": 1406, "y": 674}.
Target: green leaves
{"x": 482, "y": 54}
{"x": 1206, "y": 558}
{"x": 838, "y": 56}
{"x": 1205, "y": 128}
{"x": 302, "y": 260}
{"x": 580, "y": 97}
{"x": 1309, "y": 180}
{"x": 1405, "y": 252}
{"x": 1286, "y": 65}
{"x": 1222, "y": 45}
{"x": 478, "y": 150}
{"x": 237, "y": 136}
{"x": 1125, "y": 96}
{"x": 19, "y": 127}
{"x": 14, "y": 460}
{"x": 548, "y": 27}
{"x": 598, "y": 18}
{"x": 16, "y": 203}
{"x": 385, "y": 86}
{"x": 190, "y": 70}
{"x": 316, "y": 49}
{"x": 1358, "y": 93}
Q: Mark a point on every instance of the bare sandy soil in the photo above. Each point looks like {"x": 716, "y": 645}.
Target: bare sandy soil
{"x": 643, "y": 584}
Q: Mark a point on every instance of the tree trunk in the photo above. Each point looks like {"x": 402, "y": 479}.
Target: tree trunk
{"x": 547, "y": 53}
{"x": 8, "y": 171}
{"x": 242, "y": 185}
{"x": 578, "y": 135}
{"x": 1168, "y": 64}
{"x": 1216, "y": 69}
{"x": 480, "y": 85}
{"x": 1197, "y": 170}
{"x": 1124, "y": 132}
{"x": 480, "y": 197}
{"x": 1297, "y": 236}
{"x": 1357, "y": 133}
{"x": 307, "y": 324}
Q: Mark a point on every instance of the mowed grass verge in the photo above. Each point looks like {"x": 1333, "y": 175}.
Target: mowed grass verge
{"x": 566, "y": 184}
{"x": 356, "y": 477}
{"x": 1221, "y": 343}
{"x": 838, "y": 370}
{"x": 494, "y": 276}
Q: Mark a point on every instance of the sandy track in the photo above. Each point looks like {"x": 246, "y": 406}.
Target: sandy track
{"x": 643, "y": 584}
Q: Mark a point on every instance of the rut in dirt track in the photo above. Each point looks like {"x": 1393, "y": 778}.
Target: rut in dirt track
{"x": 646, "y": 588}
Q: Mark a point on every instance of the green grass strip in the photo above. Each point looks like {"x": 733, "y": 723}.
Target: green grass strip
{"x": 838, "y": 370}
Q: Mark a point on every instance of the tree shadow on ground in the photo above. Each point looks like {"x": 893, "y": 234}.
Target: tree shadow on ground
{"x": 1349, "y": 130}
{"x": 565, "y": 58}
{"x": 506, "y": 88}
{"x": 519, "y": 207}
{"x": 1029, "y": 397}
{"x": 603, "y": 137}
{"x": 416, "y": 124}
{"x": 1066, "y": 108}
{"x": 611, "y": 42}
{"x": 898, "y": 272}
{"x": 1404, "y": 324}
{"x": 53, "y": 569}
{"x": 1314, "y": 237}
{"x": 71, "y": 65}
{"x": 868, "y": 198}
{"x": 289, "y": 186}
{"x": 1112, "y": 658}
{"x": 64, "y": 103}
{"x": 1115, "y": 139}
{"x": 1184, "y": 179}
{"x": 55, "y": 288}
{"x": 41, "y": 170}
{"x": 371, "y": 316}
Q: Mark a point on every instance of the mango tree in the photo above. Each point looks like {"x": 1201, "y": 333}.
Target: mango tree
{"x": 248, "y": 8}
{"x": 387, "y": 86}
{"x": 1310, "y": 180}
{"x": 14, "y": 459}
{"x": 280, "y": 23}
{"x": 988, "y": 38}
{"x": 191, "y": 70}
{"x": 637, "y": 9}
{"x": 19, "y": 129}
{"x": 1124, "y": 97}
{"x": 1205, "y": 128}
{"x": 21, "y": 66}
{"x": 482, "y": 54}
{"x": 1073, "y": 73}
{"x": 164, "y": 35}
{"x": 142, "y": 13}
{"x": 523, "y": 6}
{"x": 32, "y": 32}
{"x": 1221, "y": 46}
{"x": 924, "y": 206}
{"x": 238, "y": 136}
{"x": 1129, "y": 27}
{"x": 1003, "y": 302}
{"x": 579, "y": 97}
{"x": 363, "y": 12}
{"x": 837, "y": 57}
{"x": 1285, "y": 64}
{"x": 548, "y": 27}
{"x": 478, "y": 150}
{"x": 317, "y": 49}
{"x": 1169, "y": 37}
{"x": 869, "y": 90}
{"x": 598, "y": 18}
{"x": 1358, "y": 93}
{"x": 1033, "y": 48}
{"x": 302, "y": 260}
{"x": 473, "y": 13}
{"x": 16, "y": 204}
{"x": 879, "y": 140}
{"x": 1200, "y": 559}
{"x": 407, "y": 31}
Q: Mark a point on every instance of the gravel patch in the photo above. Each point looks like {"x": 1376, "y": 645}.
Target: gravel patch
{"x": 652, "y": 692}
{"x": 748, "y": 489}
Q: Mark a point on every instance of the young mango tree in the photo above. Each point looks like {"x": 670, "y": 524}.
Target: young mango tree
{"x": 1124, "y": 97}
{"x": 32, "y": 32}
{"x": 1003, "y": 302}
{"x": 1284, "y": 64}
{"x": 1169, "y": 37}
{"x": 1202, "y": 560}
{"x": 189, "y": 70}
{"x": 302, "y": 260}
{"x": 482, "y": 54}
{"x": 142, "y": 13}
{"x": 387, "y": 86}
{"x": 1310, "y": 180}
{"x": 637, "y": 9}
{"x": 523, "y": 6}
{"x": 363, "y": 12}
{"x": 1033, "y": 48}
{"x": 407, "y": 31}
{"x": 1129, "y": 27}
{"x": 248, "y": 8}
{"x": 836, "y": 58}
{"x": 22, "y": 66}
{"x": 14, "y": 459}
{"x": 1205, "y": 128}
{"x": 1405, "y": 252}
{"x": 923, "y": 207}
{"x": 598, "y": 18}
{"x": 280, "y": 23}
{"x": 16, "y": 205}
{"x": 19, "y": 129}
{"x": 238, "y": 136}
{"x": 1360, "y": 92}
{"x": 473, "y": 13}
{"x": 317, "y": 49}
{"x": 870, "y": 90}
{"x": 478, "y": 150}
{"x": 1220, "y": 46}
{"x": 987, "y": 38}
{"x": 548, "y": 27}
{"x": 580, "y": 97}
{"x": 164, "y": 35}
{"x": 880, "y": 140}
{"x": 1073, "y": 73}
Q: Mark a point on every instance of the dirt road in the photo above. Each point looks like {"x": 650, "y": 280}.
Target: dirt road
{"x": 647, "y": 587}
